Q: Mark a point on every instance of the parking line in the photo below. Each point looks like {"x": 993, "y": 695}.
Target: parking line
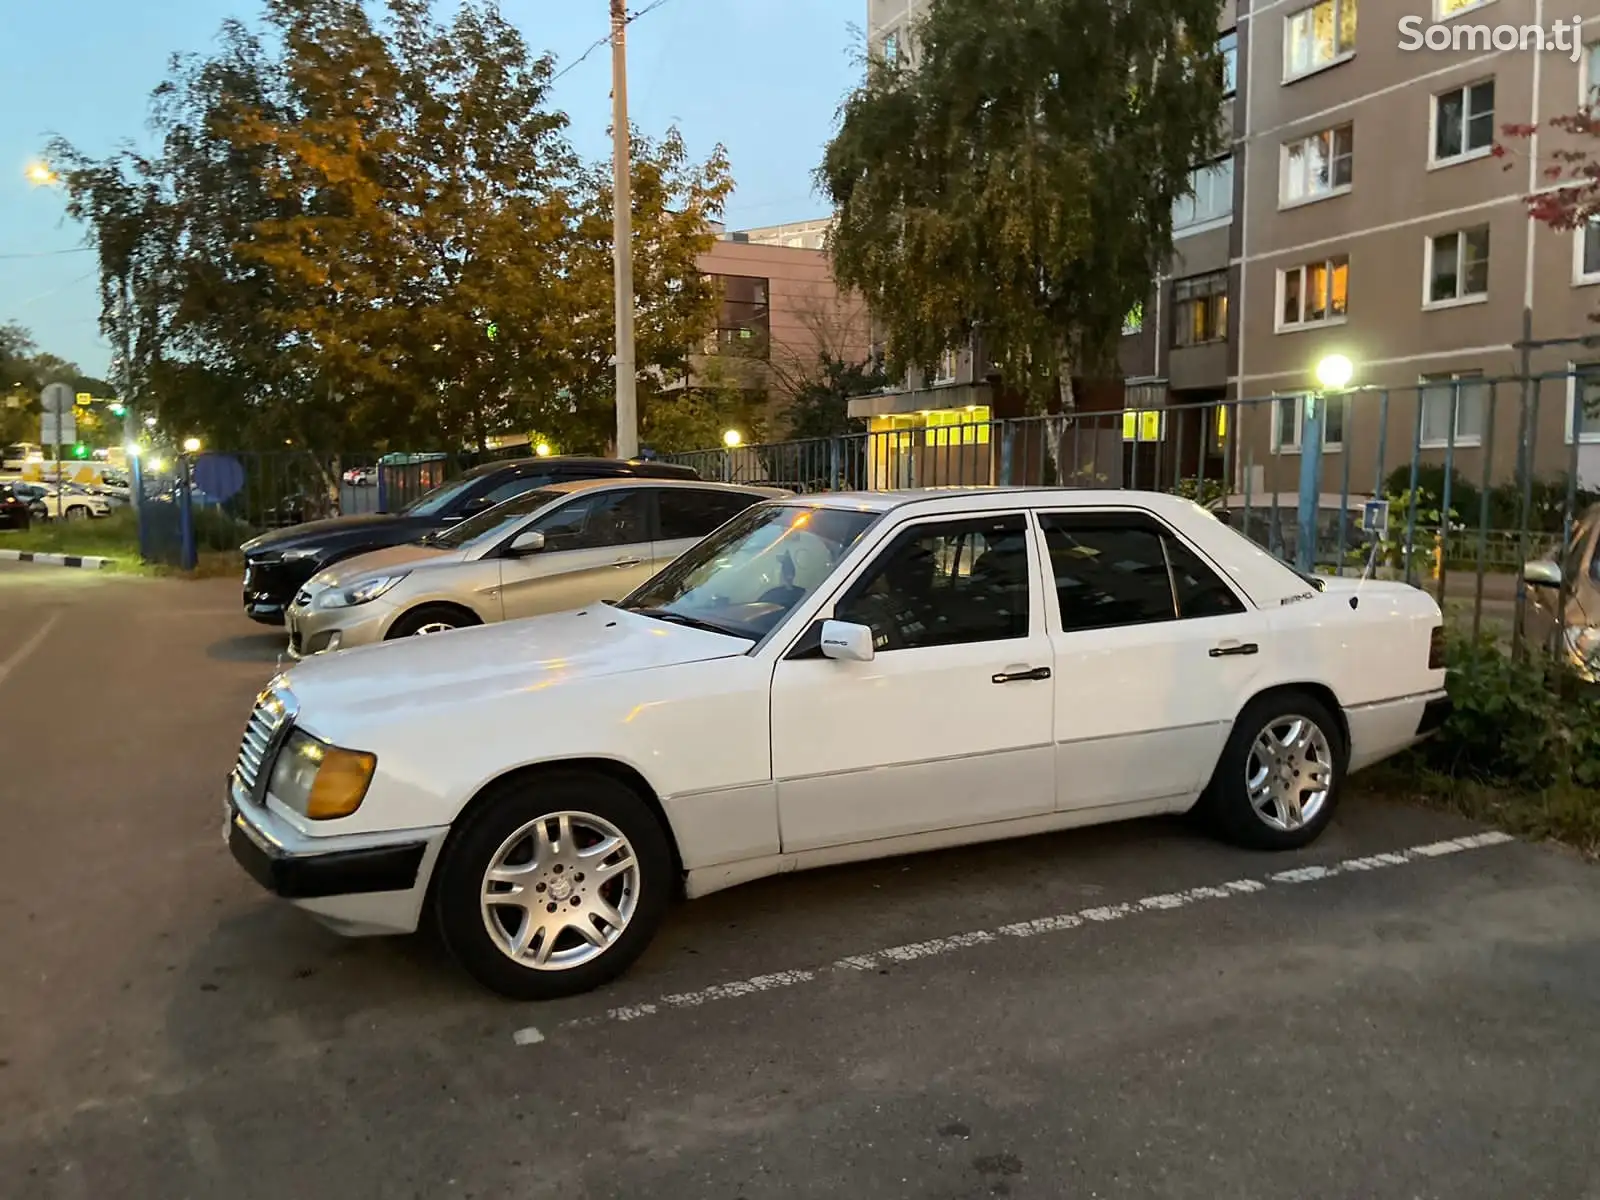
{"x": 937, "y": 947}
{"x": 28, "y": 647}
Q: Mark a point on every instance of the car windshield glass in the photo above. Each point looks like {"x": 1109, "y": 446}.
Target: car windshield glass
{"x": 750, "y": 574}
{"x": 431, "y": 504}
{"x": 494, "y": 523}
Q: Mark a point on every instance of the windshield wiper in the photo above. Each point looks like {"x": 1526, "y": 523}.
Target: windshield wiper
{"x": 662, "y": 614}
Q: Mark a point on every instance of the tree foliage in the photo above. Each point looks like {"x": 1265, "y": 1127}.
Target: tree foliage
{"x": 374, "y": 232}
{"x": 24, "y": 372}
{"x": 1018, "y": 181}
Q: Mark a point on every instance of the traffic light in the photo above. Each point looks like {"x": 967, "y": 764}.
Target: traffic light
{"x": 118, "y": 408}
{"x": 80, "y": 451}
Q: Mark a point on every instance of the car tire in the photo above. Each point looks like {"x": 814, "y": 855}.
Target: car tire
{"x": 429, "y": 619}
{"x": 1278, "y": 780}
{"x": 77, "y": 512}
{"x": 484, "y": 936}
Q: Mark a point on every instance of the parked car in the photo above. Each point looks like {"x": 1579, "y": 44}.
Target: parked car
{"x": 15, "y": 511}
{"x": 1573, "y": 632}
{"x": 278, "y": 564}
{"x": 824, "y": 679}
{"x": 66, "y": 502}
{"x": 361, "y": 476}
{"x": 545, "y": 550}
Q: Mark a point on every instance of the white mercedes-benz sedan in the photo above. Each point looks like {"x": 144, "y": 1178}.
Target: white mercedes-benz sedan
{"x": 825, "y": 678}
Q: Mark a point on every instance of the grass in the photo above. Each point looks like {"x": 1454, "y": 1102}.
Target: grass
{"x": 115, "y": 537}
{"x": 1565, "y": 813}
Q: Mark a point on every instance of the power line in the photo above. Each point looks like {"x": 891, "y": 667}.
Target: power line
{"x": 50, "y": 253}
{"x": 606, "y": 41}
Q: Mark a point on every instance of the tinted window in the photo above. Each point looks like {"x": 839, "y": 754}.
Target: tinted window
{"x": 690, "y": 513}
{"x": 1200, "y": 591}
{"x": 944, "y": 584}
{"x": 597, "y": 519}
{"x": 512, "y": 487}
{"x": 495, "y": 521}
{"x": 1107, "y": 573}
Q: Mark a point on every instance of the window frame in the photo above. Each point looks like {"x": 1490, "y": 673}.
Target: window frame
{"x": 1309, "y": 196}
{"x": 1116, "y": 518}
{"x": 1588, "y": 77}
{"x": 1440, "y": 16}
{"x": 1465, "y": 155}
{"x": 1329, "y": 263}
{"x": 1211, "y": 171}
{"x": 1279, "y": 446}
{"x": 1461, "y": 298}
{"x": 1228, "y": 48}
{"x": 947, "y": 369}
{"x": 898, "y": 536}
{"x": 1454, "y": 379}
{"x": 1339, "y": 56}
{"x": 1574, "y": 371}
{"x": 1580, "y": 277}
{"x": 1216, "y": 298}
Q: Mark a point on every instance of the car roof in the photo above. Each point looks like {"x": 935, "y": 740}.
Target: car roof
{"x": 984, "y": 499}
{"x": 614, "y": 468}
{"x": 584, "y": 485}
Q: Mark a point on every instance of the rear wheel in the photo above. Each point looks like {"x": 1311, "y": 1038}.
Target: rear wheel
{"x": 78, "y": 512}
{"x": 554, "y": 885}
{"x": 430, "y": 619}
{"x": 1280, "y": 774}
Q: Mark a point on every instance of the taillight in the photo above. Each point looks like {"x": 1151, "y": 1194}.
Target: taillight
{"x": 1436, "y": 649}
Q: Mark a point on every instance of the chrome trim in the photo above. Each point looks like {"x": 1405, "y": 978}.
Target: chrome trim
{"x": 269, "y": 723}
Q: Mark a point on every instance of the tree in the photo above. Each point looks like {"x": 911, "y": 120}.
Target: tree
{"x": 1019, "y": 181}
{"x": 373, "y": 232}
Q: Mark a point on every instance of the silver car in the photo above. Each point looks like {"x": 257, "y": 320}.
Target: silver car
{"x": 554, "y": 548}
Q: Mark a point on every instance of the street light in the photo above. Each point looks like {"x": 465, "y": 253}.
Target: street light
{"x": 40, "y": 175}
{"x": 1334, "y": 372}
{"x": 542, "y": 449}
{"x": 732, "y": 439}
{"x": 191, "y": 445}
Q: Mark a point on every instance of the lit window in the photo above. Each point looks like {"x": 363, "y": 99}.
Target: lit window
{"x": 1458, "y": 399}
{"x": 957, "y": 427}
{"x": 1314, "y": 293}
{"x": 1200, "y": 309}
{"x": 1318, "y": 36}
{"x": 1319, "y": 165}
{"x": 1458, "y": 266}
{"x": 1289, "y": 421}
{"x": 1463, "y": 122}
{"x": 1210, "y": 198}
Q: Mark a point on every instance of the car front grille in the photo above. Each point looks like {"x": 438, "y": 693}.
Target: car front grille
{"x": 263, "y": 733}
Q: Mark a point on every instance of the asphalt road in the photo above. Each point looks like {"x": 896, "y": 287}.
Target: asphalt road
{"x": 1133, "y": 1011}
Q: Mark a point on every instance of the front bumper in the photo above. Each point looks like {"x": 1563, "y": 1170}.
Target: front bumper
{"x": 270, "y": 585}
{"x": 315, "y": 630}
{"x": 357, "y": 884}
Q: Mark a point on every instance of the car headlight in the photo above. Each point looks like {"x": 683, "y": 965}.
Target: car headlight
{"x": 359, "y": 593}
{"x": 318, "y": 780}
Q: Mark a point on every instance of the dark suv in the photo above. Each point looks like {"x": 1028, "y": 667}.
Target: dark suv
{"x": 276, "y": 564}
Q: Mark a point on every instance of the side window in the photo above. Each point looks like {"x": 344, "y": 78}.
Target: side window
{"x": 597, "y": 520}
{"x": 1109, "y": 571}
{"x": 692, "y": 513}
{"x": 1200, "y": 591}
{"x": 945, "y": 584}
{"x": 511, "y": 487}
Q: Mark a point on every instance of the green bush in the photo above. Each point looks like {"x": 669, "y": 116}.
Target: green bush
{"x": 1525, "y": 724}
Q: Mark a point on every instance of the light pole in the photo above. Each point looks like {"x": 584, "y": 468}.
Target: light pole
{"x": 622, "y": 236}
{"x": 732, "y": 439}
{"x": 1333, "y": 374}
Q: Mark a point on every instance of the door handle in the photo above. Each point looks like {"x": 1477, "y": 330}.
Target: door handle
{"x": 627, "y": 562}
{"x": 1021, "y": 676}
{"x": 1230, "y": 649}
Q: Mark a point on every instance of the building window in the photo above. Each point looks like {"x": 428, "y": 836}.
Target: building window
{"x": 1458, "y": 266}
{"x": 957, "y": 427}
{"x": 1443, "y": 10}
{"x": 1320, "y": 165}
{"x": 1144, "y": 425}
{"x": 945, "y": 370}
{"x": 744, "y": 320}
{"x": 1228, "y": 47}
{"x": 1457, "y": 399}
{"x": 1583, "y": 389}
{"x": 1463, "y": 122}
{"x": 891, "y": 46}
{"x": 1134, "y": 321}
{"x": 1210, "y": 200}
{"x": 1589, "y": 76}
{"x": 1289, "y": 421}
{"x": 1318, "y": 37}
{"x": 1200, "y": 309}
{"x": 1314, "y": 293}
{"x": 1586, "y": 253}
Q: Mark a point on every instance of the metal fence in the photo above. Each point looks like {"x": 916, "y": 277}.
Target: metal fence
{"x": 1479, "y": 475}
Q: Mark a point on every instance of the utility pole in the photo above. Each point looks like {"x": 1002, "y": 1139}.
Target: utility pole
{"x": 622, "y": 235}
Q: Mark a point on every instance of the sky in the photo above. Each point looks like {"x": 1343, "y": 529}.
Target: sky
{"x": 762, "y": 77}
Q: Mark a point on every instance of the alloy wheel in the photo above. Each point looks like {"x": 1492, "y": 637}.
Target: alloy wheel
{"x": 1289, "y": 772}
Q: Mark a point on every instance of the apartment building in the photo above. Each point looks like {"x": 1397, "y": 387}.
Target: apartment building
{"x": 1378, "y": 220}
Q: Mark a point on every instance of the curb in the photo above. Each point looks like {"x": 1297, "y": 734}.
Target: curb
{"x": 56, "y": 560}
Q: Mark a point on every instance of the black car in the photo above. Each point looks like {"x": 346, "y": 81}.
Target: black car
{"x": 276, "y": 564}
{"x": 16, "y": 512}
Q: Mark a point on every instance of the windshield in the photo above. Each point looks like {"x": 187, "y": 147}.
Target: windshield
{"x": 431, "y": 504}
{"x": 750, "y": 574}
{"x": 494, "y": 522}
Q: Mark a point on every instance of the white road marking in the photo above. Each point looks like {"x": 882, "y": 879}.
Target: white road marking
{"x": 1022, "y": 929}
{"x": 28, "y": 647}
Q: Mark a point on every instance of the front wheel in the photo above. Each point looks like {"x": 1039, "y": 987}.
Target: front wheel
{"x": 1280, "y": 774}
{"x": 554, "y": 885}
{"x": 77, "y": 513}
{"x": 422, "y": 621}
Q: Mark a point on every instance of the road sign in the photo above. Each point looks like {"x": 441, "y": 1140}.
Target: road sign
{"x": 58, "y": 429}
{"x": 84, "y": 399}
{"x": 56, "y": 398}
{"x": 1375, "y": 517}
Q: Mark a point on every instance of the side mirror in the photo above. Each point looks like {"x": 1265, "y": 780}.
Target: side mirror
{"x": 847, "y": 642}
{"x": 1542, "y": 573}
{"x": 530, "y": 542}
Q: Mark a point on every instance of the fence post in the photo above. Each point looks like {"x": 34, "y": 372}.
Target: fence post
{"x": 1310, "y": 480}
{"x": 187, "y": 557}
